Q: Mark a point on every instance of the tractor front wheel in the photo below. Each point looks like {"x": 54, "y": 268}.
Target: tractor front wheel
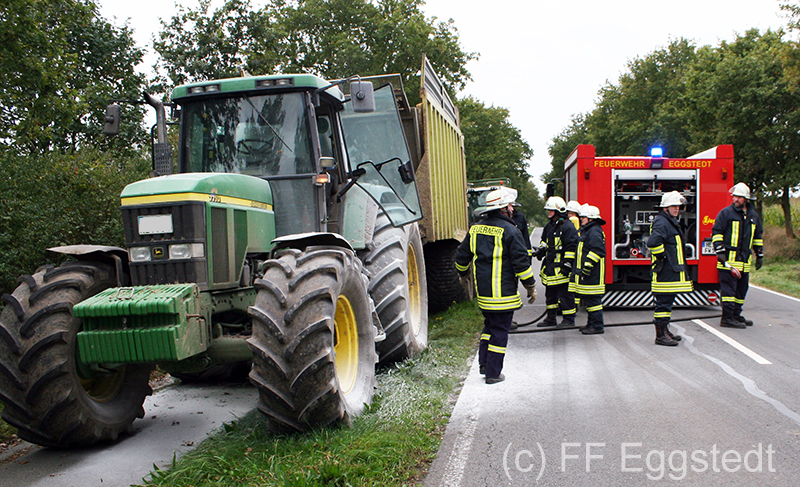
{"x": 313, "y": 339}
{"x": 49, "y": 395}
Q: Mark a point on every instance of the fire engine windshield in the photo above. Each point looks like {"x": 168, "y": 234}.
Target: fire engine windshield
{"x": 266, "y": 135}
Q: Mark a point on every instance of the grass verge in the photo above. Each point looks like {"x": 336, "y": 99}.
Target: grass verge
{"x": 392, "y": 444}
{"x": 781, "y": 276}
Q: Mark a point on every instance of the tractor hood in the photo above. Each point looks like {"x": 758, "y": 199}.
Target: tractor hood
{"x": 234, "y": 189}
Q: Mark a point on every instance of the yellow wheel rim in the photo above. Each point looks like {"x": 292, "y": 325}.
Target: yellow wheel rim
{"x": 345, "y": 344}
{"x": 102, "y": 388}
{"x": 414, "y": 291}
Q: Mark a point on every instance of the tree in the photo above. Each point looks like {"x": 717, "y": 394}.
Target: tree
{"x": 740, "y": 93}
{"x": 60, "y": 64}
{"x": 329, "y": 38}
{"x": 494, "y": 148}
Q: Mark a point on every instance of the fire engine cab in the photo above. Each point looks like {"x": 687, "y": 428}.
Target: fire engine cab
{"x": 627, "y": 190}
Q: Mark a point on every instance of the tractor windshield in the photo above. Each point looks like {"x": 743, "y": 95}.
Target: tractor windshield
{"x": 265, "y": 135}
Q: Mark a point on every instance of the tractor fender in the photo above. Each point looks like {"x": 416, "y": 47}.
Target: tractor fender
{"x": 302, "y": 240}
{"x": 115, "y": 256}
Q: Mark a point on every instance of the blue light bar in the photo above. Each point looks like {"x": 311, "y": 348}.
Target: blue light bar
{"x": 656, "y": 152}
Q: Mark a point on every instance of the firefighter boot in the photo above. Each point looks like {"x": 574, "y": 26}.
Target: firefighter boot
{"x": 677, "y": 338}
{"x": 742, "y": 319}
{"x": 661, "y": 336}
{"x": 550, "y": 320}
{"x": 730, "y": 321}
{"x": 568, "y": 320}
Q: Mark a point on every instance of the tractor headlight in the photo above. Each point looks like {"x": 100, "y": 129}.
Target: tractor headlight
{"x": 139, "y": 254}
{"x": 185, "y": 251}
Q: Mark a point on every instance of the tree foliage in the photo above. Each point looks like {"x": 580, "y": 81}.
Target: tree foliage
{"x": 330, "y": 38}
{"x": 687, "y": 100}
{"x": 494, "y": 148}
{"x": 60, "y": 64}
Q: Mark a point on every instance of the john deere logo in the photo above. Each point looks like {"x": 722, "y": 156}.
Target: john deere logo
{"x": 158, "y": 252}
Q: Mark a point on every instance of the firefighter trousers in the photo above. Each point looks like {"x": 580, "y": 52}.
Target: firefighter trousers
{"x": 663, "y": 311}
{"x": 559, "y": 296}
{"x": 494, "y": 338}
{"x": 733, "y": 292}
{"x": 594, "y": 307}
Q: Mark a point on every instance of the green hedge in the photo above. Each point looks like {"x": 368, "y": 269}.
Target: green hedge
{"x": 59, "y": 199}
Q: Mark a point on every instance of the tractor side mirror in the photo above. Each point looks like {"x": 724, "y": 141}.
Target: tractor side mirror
{"x": 111, "y": 126}
{"x": 549, "y": 190}
{"x": 362, "y": 96}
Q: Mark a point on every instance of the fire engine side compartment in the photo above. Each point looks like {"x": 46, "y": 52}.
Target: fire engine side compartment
{"x": 627, "y": 190}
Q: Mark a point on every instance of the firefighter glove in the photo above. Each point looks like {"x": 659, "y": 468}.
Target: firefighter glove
{"x": 464, "y": 279}
{"x": 566, "y": 267}
{"x": 540, "y": 252}
{"x": 759, "y": 262}
{"x": 721, "y": 257}
{"x": 658, "y": 264}
{"x": 586, "y": 271}
{"x": 531, "y": 293}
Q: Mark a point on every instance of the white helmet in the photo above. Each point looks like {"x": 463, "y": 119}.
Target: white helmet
{"x": 673, "y": 198}
{"x": 574, "y": 206}
{"x": 590, "y": 212}
{"x": 500, "y": 198}
{"x": 556, "y": 203}
{"x": 741, "y": 189}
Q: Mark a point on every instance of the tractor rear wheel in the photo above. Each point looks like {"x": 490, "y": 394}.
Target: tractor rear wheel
{"x": 444, "y": 285}
{"x": 49, "y": 395}
{"x": 313, "y": 339}
{"x": 397, "y": 284}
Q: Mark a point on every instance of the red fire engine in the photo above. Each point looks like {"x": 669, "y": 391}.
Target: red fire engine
{"x": 627, "y": 190}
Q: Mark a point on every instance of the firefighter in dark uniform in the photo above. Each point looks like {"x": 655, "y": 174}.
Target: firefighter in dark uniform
{"x": 499, "y": 261}
{"x": 557, "y": 248}
{"x": 668, "y": 265}
{"x": 737, "y": 229}
{"x": 589, "y": 272}
{"x": 522, "y": 224}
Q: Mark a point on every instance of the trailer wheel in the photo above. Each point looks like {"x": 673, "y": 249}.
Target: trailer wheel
{"x": 49, "y": 395}
{"x": 395, "y": 264}
{"x": 313, "y": 339}
{"x": 444, "y": 286}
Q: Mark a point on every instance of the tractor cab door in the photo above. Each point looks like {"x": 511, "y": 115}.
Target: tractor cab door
{"x": 379, "y": 157}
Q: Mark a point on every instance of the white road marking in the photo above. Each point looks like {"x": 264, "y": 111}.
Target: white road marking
{"x": 458, "y": 458}
{"x": 775, "y": 292}
{"x": 738, "y": 346}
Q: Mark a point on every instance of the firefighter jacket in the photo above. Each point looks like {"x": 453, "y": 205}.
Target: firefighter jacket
{"x": 589, "y": 271}
{"x": 668, "y": 264}
{"x": 560, "y": 238}
{"x": 498, "y": 256}
{"x": 734, "y": 233}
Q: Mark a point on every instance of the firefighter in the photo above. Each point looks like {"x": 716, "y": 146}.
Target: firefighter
{"x": 668, "y": 264}
{"x": 557, "y": 248}
{"x": 499, "y": 261}
{"x": 522, "y": 224}
{"x": 573, "y": 209}
{"x": 589, "y": 273}
{"x": 737, "y": 229}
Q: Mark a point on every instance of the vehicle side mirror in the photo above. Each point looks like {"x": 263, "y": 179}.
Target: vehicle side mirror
{"x": 111, "y": 126}
{"x": 549, "y": 190}
{"x": 362, "y": 96}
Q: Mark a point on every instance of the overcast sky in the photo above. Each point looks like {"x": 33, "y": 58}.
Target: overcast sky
{"x": 543, "y": 60}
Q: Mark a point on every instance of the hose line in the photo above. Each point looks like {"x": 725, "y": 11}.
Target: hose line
{"x": 575, "y": 327}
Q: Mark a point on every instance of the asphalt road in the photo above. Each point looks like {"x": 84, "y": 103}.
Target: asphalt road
{"x": 177, "y": 419}
{"x": 720, "y": 409}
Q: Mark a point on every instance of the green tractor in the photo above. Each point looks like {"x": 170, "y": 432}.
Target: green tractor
{"x": 290, "y": 243}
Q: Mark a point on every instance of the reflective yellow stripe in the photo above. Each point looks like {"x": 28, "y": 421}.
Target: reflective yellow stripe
{"x": 734, "y": 234}
{"x": 499, "y": 304}
{"x": 497, "y": 266}
{"x": 593, "y": 256}
{"x": 752, "y": 234}
{"x": 728, "y": 299}
{"x": 657, "y": 250}
{"x": 207, "y": 198}
{"x": 662, "y": 314}
{"x": 758, "y": 242}
{"x": 496, "y": 349}
{"x": 592, "y": 309}
{"x": 462, "y": 268}
{"x": 569, "y": 255}
{"x": 526, "y": 274}
{"x": 716, "y": 237}
{"x": 485, "y": 336}
{"x": 679, "y": 245}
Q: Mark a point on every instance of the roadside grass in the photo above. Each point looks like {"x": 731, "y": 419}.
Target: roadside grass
{"x": 392, "y": 444}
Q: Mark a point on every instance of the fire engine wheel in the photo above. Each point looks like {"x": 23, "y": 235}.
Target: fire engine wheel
{"x": 49, "y": 395}
{"x": 397, "y": 284}
{"x": 313, "y": 339}
{"x": 444, "y": 286}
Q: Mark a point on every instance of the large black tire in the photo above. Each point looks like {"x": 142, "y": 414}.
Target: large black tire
{"x": 49, "y": 396}
{"x": 313, "y": 339}
{"x": 444, "y": 286}
{"x": 395, "y": 265}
